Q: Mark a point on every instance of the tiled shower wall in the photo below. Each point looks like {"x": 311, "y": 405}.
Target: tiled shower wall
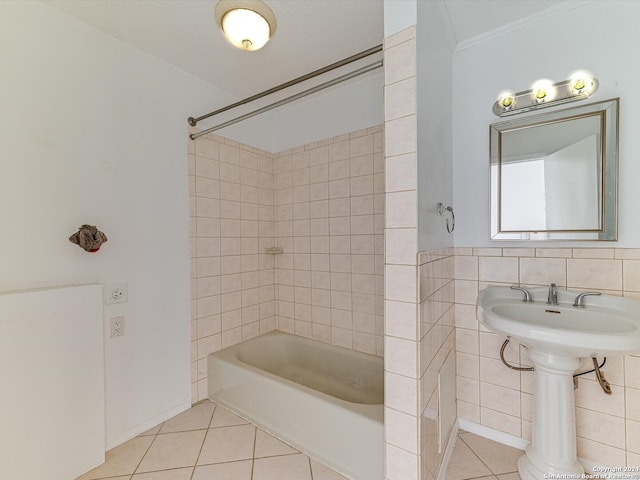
{"x": 324, "y": 204}
{"x": 329, "y": 200}
{"x": 233, "y": 288}
{"x": 490, "y": 394}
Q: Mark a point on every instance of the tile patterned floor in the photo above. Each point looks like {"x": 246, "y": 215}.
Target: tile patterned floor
{"x": 208, "y": 442}
{"x": 479, "y": 458}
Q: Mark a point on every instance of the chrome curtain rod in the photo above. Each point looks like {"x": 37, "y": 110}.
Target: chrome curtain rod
{"x": 378, "y": 48}
{"x": 284, "y": 101}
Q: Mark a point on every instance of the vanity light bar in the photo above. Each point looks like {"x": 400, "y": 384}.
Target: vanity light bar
{"x": 546, "y": 94}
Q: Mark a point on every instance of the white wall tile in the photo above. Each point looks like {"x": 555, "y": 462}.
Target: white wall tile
{"x": 594, "y": 273}
{"x": 400, "y": 356}
{"x": 400, "y": 464}
{"x": 400, "y": 283}
{"x": 543, "y": 271}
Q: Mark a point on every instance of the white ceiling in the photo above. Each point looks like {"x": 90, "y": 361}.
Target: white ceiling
{"x": 310, "y": 34}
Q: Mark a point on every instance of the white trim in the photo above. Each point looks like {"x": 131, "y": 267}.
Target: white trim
{"x": 503, "y": 438}
{"x": 590, "y": 465}
{"x": 147, "y": 425}
{"x": 492, "y": 434}
{"x": 523, "y": 22}
{"x": 448, "y": 452}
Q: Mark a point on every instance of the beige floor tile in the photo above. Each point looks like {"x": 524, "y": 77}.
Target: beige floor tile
{"x": 509, "y": 476}
{"x": 224, "y": 471}
{"x": 268, "y": 446}
{"x": 151, "y": 431}
{"x": 121, "y": 460}
{"x": 498, "y": 457}
{"x": 224, "y": 418}
{"x": 464, "y": 464}
{"x": 177, "y": 474}
{"x": 288, "y": 467}
{"x": 172, "y": 450}
{"x": 197, "y": 417}
{"x": 322, "y": 472}
{"x": 228, "y": 444}
{"x": 123, "y": 477}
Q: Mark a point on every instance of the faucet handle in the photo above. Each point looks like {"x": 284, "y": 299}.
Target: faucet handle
{"x": 527, "y": 294}
{"x": 579, "y": 301}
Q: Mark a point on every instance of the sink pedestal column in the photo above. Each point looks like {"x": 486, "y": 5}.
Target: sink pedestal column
{"x": 553, "y": 435}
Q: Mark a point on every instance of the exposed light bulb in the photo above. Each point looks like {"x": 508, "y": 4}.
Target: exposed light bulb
{"x": 506, "y": 100}
{"x": 581, "y": 83}
{"x": 543, "y": 91}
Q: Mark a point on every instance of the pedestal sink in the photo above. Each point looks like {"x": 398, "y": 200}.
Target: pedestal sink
{"x": 557, "y": 337}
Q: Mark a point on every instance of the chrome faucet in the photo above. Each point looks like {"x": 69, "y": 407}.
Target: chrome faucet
{"x": 579, "y": 301}
{"x": 527, "y": 294}
{"x": 552, "y": 298}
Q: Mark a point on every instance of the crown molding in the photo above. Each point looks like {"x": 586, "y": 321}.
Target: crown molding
{"x": 521, "y": 23}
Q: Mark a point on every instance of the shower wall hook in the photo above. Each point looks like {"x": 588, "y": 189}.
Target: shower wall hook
{"x": 441, "y": 209}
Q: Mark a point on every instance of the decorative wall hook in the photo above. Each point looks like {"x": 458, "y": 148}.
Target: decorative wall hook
{"x": 89, "y": 238}
{"x": 441, "y": 209}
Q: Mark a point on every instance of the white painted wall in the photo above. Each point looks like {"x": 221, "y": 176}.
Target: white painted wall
{"x": 434, "y": 47}
{"x": 94, "y": 131}
{"x": 398, "y": 15}
{"x": 354, "y": 105}
{"x": 598, "y": 36}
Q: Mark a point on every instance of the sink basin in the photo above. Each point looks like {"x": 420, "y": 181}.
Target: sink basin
{"x": 608, "y": 325}
{"x": 556, "y": 337}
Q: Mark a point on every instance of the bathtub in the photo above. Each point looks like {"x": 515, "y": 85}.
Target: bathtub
{"x": 326, "y": 401}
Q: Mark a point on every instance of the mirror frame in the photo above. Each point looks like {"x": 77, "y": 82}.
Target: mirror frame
{"x": 608, "y": 111}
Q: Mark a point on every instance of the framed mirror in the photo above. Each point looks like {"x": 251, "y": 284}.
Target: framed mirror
{"x": 554, "y": 175}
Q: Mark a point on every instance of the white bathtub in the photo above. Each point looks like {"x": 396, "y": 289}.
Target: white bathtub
{"x": 327, "y": 401}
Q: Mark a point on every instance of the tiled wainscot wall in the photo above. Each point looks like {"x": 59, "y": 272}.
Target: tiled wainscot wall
{"x": 323, "y": 203}
{"x": 437, "y": 346}
{"x": 490, "y": 394}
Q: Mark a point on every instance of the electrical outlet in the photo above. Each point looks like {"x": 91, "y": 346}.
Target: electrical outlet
{"x": 116, "y": 293}
{"x": 117, "y": 326}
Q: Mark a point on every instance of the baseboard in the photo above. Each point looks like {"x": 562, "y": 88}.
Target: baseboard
{"x": 448, "y": 452}
{"x": 590, "y": 468}
{"x": 513, "y": 441}
{"x": 143, "y": 427}
{"x": 492, "y": 434}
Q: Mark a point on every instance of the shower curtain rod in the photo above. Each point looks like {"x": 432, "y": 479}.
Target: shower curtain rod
{"x": 345, "y": 61}
{"x": 284, "y": 101}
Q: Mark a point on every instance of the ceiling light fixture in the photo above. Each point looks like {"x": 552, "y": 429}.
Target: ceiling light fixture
{"x": 247, "y": 24}
{"x": 581, "y": 85}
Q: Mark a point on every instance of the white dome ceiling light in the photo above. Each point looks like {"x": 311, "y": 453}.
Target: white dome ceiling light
{"x": 247, "y": 24}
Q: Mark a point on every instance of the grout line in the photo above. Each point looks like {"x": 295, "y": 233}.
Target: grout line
{"x": 253, "y": 456}
{"x": 203, "y": 440}
{"x": 147, "y": 450}
{"x": 478, "y": 457}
